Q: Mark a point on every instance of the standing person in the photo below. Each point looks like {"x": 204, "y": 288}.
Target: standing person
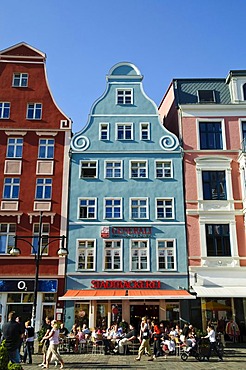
{"x": 47, "y": 327}
{"x": 22, "y": 325}
{"x": 157, "y": 340}
{"x": 12, "y": 333}
{"x": 212, "y": 340}
{"x": 53, "y": 338}
{"x": 145, "y": 337}
{"x": 29, "y": 337}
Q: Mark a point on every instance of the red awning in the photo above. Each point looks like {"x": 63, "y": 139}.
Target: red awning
{"x": 131, "y": 294}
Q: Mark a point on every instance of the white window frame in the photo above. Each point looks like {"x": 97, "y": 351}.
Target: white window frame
{"x": 210, "y": 120}
{"x": 36, "y": 108}
{"x": 138, "y": 168}
{"x": 87, "y": 253}
{"x": 11, "y": 185}
{"x": 113, "y": 206}
{"x": 164, "y": 207}
{"x": 124, "y": 124}
{"x": 88, "y": 206}
{"x": 138, "y": 206}
{"x": 45, "y": 232}
{"x": 166, "y": 249}
{"x": 112, "y": 249}
{"x": 143, "y": 130}
{"x": 162, "y": 168}
{"x": 46, "y": 146}
{"x": 46, "y": 184}
{"x": 9, "y": 234}
{"x": 124, "y": 96}
{"x": 15, "y": 145}
{"x": 2, "y": 109}
{"x": 101, "y": 130}
{"x": 22, "y": 78}
{"x": 113, "y": 169}
{"x": 140, "y": 269}
{"x": 90, "y": 162}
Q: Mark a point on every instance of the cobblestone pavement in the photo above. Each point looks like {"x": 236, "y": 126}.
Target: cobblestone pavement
{"x": 234, "y": 359}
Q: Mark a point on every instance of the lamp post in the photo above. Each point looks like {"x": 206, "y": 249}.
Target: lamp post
{"x": 38, "y": 253}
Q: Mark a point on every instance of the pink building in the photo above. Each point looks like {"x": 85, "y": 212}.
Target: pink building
{"x": 209, "y": 117}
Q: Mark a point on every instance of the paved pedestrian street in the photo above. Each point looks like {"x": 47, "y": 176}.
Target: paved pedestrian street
{"x": 234, "y": 359}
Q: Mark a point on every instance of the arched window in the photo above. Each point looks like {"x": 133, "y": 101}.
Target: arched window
{"x": 244, "y": 91}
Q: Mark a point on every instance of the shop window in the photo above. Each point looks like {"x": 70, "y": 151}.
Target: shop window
{"x": 102, "y": 316}
{"x": 81, "y": 314}
{"x": 14, "y": 297}
{"x": 116, "y": 313}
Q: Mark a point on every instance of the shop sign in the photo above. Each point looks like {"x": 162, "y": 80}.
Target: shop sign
{"x": 129, "y": 232}
{"x": 24, "y": 285}
{"x": 125, "y": 284}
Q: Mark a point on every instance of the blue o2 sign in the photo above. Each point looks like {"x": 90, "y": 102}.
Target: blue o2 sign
{"x": 25, "y": 285}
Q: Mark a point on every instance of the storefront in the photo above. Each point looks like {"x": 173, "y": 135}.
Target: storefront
{"x": 17, "y": 295}
{"x": 110, "y": 301}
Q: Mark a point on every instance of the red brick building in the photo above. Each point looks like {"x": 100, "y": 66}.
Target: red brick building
{"x": 34, "y": 167}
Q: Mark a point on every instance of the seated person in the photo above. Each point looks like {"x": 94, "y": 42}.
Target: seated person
{"x": 63, "y": 330}
{"x": 86, "y": 331}
{"x": 129, "y": 338}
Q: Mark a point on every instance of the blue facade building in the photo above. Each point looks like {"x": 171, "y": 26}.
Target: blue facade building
{"x": 126, "y": 233}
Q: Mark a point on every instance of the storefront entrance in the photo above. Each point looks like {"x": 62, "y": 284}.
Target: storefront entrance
{"x": 137, "y": 312}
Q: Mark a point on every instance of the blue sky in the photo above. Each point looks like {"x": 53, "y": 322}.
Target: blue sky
{"x": 165, "y": 39}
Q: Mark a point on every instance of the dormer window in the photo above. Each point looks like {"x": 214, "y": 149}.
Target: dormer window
{"x": 206, "y": 96}
{"x": 124, "y": 96}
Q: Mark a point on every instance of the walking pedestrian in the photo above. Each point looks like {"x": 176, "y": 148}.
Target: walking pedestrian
{"x": 53, "y": 338}
{"x": 213, "y": 344}
{"x": 145, "y": 337}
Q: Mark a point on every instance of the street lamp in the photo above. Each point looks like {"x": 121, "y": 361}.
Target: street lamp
{"x": 38, "y": 253}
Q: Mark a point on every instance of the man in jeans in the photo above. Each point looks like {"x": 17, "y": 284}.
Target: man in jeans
{"x": 12, "y": 334}
{"x": 213, "y": 344}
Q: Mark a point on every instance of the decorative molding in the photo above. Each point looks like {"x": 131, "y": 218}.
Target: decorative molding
{"x": 37, "y": 214}
{"x": 46, "y": 133}
{"x": 12, "y": 214}
{"x": 16, "y": 133}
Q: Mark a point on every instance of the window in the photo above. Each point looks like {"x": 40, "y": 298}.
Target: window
{"x": 218, "y": 240}
{"x": 14, "y": 148}
{"x": 124, "y": 131}
{"x": 113, "y": 169}
{"x": 163, "y": 169}
{"x": 7, "y": 241}
{"x": 86, "y": 255}
{"x": 138, "y": 169}
{"x": 46, "y": 148}
{"x": 244, "y": 136}
{"x": 113, "y": 208}
{"x": 43, "y": 188}
{"x": 210, "y": 135}
{"x": 20, "y": 80}
{"x": 139, "y": 208}
{"x": 214, "y": 185}
{"x": 88, "y": 169}
{"x": 166, "y": 255}
{"x": 34, "y": 111}
{"x": 164, "y": 208}
{"x": 4, "y": 110}
{"x": 104, "y": 131}
{"x": 144, "y": 131}
{"x": 244, "y": 92}
{"x": 139, "y": 255}
{"x": 87, "y": 208}
{"x": 45, "y": 230}
{"x": 112, "y": 255}
{"x": 206, "y": 96}
{"x": 11, "y": 188}
{"x": 124, "y": 96}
